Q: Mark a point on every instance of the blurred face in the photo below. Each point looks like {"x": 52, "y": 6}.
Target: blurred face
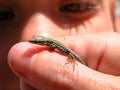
{"x": 21, "y": 19}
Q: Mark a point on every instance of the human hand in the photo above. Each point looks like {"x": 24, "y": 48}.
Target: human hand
{"x": 40, "y": 68}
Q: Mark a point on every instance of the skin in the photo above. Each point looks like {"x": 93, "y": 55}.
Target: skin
{"x": 117, "y": 23}
{"x": 42, "y": 17}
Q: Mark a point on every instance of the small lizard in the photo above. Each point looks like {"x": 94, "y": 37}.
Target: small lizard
{"x": 54, "y": 44}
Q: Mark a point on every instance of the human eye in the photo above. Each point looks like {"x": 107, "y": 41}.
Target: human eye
{"x": 75, "y": 7}
{"x": 6, "y": 14}
{"x": 79, "y": 8}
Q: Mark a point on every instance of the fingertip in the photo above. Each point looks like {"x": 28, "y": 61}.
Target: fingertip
{"x": 19, "y": 57}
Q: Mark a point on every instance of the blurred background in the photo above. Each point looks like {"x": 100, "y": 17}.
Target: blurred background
{"x": 118, "y": 8}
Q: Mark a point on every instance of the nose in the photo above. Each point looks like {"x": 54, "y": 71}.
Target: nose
{"x": 40, "y": 24}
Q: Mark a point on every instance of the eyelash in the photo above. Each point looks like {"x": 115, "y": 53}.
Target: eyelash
{"x": 6, "y": 15}
{"x": 76, "y": 8}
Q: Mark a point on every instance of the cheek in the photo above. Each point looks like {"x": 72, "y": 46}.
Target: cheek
{"x": 99, "y": 23}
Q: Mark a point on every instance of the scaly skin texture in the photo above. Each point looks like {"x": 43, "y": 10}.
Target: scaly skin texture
{"x": 54, "y": 44}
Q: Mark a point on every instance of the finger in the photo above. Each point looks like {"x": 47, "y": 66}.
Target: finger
{"x": 101, "y": 51}
{"x": 44, "y": 71}
{"x": 41, "y": 74}
{"x": 39, "y": 70}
